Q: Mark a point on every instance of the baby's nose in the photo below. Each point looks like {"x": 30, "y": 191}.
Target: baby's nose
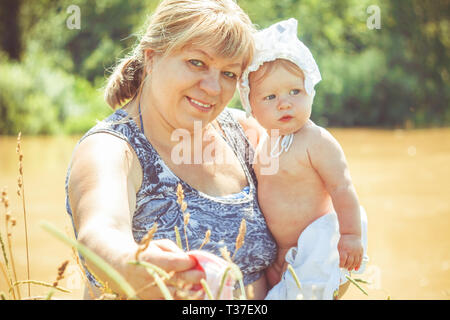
{"x": 284, "y": 104}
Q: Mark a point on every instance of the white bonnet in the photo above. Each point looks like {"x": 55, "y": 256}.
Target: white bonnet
{"x": 279, "y": 41}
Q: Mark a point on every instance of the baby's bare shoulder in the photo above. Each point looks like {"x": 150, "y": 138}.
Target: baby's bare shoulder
{"x": 320, "y": 143}
{"x": 314, "y": 134}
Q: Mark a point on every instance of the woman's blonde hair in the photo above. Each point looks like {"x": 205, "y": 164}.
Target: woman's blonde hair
{"x": 219, "y": 24}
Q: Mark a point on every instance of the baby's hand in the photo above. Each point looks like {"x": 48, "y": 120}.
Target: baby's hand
{"x": 350, "y": 251}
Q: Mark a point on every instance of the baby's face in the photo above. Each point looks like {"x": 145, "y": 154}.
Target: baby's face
{"x": 279, "y": 100}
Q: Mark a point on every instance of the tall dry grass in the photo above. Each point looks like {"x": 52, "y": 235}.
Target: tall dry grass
{"x": 8, "y": 265}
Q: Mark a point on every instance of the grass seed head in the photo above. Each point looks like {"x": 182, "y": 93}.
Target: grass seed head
{"x": 206, "y": 239}
{"x": 186, "y": 218}
{"x": 19, "y": 139}
{"x": 5, "y": 199}
{"x": 61, "y": 271}
{"x": 241, "y": 236}
{"x": 145, "y": 241}
{"x": 149, "y": 236}
{"x": 180, "y": 194}
{"x": 225, "y": 253}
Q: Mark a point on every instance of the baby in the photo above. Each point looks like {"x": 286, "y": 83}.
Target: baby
{"x": 309, "y": 203}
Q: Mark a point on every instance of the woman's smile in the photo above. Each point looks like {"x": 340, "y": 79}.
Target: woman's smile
{"x": 199, "y": 105}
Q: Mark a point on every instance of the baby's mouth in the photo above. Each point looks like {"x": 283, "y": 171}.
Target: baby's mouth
{"x": 285, "y": 118}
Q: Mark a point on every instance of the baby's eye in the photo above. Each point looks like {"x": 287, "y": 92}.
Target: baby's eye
{"x": 294, "y": 92}
{"x": 196, "y": 62}
{"x": 230, "y": 74}
{"x": 269, "y": 97}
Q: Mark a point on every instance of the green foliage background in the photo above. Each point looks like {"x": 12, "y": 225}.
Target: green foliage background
{"x": 51, "y": 77}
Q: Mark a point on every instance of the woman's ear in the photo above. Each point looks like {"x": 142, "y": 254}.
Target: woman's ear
{"x": 149, "y": 56}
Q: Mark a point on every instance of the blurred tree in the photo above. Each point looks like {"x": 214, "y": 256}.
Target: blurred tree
{"x": 10, "y": 33}
{"x": 108, "y": 28}
{"x": 418, "y": 47}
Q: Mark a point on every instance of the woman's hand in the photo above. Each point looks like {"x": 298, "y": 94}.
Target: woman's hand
{"x": 167, "y": 255}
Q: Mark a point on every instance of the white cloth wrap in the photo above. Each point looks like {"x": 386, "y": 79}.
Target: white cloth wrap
{"x": 315, "y": 261}
{"x": 279, "y": 41}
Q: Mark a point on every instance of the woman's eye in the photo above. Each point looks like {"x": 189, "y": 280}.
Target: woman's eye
{"x": 230, "y": 75}
{"x": 269, "y": 97}
{"x": 196, "y": 63}
{"x": 294, "y": 92}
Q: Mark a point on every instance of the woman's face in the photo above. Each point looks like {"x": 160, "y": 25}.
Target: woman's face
{"x": 192, "y": 84}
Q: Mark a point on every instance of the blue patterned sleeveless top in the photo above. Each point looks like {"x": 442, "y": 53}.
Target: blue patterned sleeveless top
{"x": 156, "y": 201}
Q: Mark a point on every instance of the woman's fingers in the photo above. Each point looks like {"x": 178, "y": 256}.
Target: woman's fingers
{"x": 189, "y": 294}
{"x": 184, "y": 285}
{"x": 179, "y": 286}
{"x": 170, "y": 261}
{"x": 167, "y": 245}
{"x": 189, "y": 276}
{"x": 184, "y": 282}
{"x": 168, "y": 256}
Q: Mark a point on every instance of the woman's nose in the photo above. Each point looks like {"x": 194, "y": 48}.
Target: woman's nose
{"x": 211, "y": 83}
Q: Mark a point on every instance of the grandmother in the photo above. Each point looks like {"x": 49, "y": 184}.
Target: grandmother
{"x": 124, "y": 172}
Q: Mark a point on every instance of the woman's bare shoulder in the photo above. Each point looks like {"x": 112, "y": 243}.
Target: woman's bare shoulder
{"x": 101, "y": 149}
{"x": 102, "y": 157}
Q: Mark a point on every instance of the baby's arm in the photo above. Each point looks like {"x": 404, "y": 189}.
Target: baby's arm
{"x": 328, "y": 159}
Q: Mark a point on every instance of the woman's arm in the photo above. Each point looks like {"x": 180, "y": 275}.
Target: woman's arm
{"x": 105, "y": 175}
